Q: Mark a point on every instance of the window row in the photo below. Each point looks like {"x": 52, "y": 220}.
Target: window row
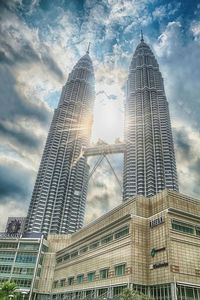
{"x": 8, "y": 245}
{"x": 185, "y": 227}
{"x": 103, "y": 241}
{"x": 119, "y": 270}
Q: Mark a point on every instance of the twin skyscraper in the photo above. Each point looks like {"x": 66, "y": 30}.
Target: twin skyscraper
{"x": 59, "y": 196}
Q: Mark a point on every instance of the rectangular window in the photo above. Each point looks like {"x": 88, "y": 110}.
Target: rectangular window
{"x": 80, "y": 279}
{"x": 62, "y": 282}
{"x": 41, "y": 259}
{"x": 66, "y": 257}
{"x": 91, "y": 276}
{"x": 70, "y": 280}
{"x": 38, "y": 272}
{"x": 26, "y": 257}
{"x": 83, "y": 250}
{"x": 106, "y": 239}
{"x": 59, "y": 260}
{"x": 120, "y": 270}
{"x": 118, "y": 290}
{"x": 198, "y": 231}
{"x": 44, "y": 248}
{"x": 29, "y": 246}
{"x": 182, "y": 227}
{"x": 103, "y": 274}
{"x": 74, "y": 254}
{"x": 122, "y": 233}
{"x": 103, "y": 292}
{"x": 8, "y": 245}
{"x": 94, "y": 245}
{"x": 55, "y": 284}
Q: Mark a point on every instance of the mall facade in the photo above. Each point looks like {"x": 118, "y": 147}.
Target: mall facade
{"x": 148, "y": 244}
{"x": 21, "y": 258}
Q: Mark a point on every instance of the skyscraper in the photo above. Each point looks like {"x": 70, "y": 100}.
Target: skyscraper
{"x": 149, "y": 160}
{"x": 59, "y": 195}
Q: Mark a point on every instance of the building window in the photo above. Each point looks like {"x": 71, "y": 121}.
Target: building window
{"x": 94, "y": 245}
{"x": 8, "y": 245}
{"x": 38, "y": 272}
{"x": 183, "y": 227}
{"x": 59, "y": 260}
{"x": 122, "y": 233}
{"x": 80, "y": 278}
{"x": 62, "y": 282}
{"x": 70, "y": 280}
{"x": 74, "y": 254}
{"x": 198, "y": 231}
{"x": 91, "y": 276}
{"x": 29, "y": 246}
{"x": 103, "y": 274}
{"x": 44, "y": 248}
{"x": 55, "y": 284}
{"x": 120, "y": 270}
{"x": 106, "y": 239}
{"x": 103, "y": 292}
{"x": 83, "y": 250}
{"x": 66, "y": 257}
{"x": 26, "y": 257}
{"x": 118, "y": 290}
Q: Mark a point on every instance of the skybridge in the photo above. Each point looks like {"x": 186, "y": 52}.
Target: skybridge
{"x": 104, "y": 149}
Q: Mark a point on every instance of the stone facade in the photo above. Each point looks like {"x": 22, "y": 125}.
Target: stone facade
{"x": 151, "y": 244}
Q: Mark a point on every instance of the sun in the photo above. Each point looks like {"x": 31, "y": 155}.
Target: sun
{"x": 108, "y": 121}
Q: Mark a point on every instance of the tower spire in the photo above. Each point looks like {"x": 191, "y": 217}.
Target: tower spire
{"x": 141, "y": 36}
{"x": 88, "y": 50}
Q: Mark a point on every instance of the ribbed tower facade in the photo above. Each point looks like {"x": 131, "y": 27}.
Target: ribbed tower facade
{"x": 149, "y": 160}
{"x": 58, "y": 200}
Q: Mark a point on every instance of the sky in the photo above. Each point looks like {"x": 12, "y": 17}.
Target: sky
{"x": 40, "y": 41}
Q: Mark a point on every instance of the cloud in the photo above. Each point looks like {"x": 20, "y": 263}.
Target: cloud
{"x": 21, "y": 45}
{"x": 164, "y": 11}
{"x": 12, "y": 177}
{"x": 187, "y": 144}
{"x": 104, "y": 192}
{"x": 42, "y": 41}
{"x": 159, "y": 12}
{"x": 18, "y": 115}
{"x": 180, "y": 68}
{"x": 195, "y": 28}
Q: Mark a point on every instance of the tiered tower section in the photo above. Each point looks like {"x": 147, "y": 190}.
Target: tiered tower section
{"x": 59, "y": 195}
{"x": 149, "y": 161}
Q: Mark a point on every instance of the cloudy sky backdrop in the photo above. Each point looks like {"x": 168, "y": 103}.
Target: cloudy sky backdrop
{"x": 41, "y": 40}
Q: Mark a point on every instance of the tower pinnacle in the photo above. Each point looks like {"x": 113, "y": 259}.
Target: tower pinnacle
{"x": 141, "y": 35}
{"x": 88, "y": 50}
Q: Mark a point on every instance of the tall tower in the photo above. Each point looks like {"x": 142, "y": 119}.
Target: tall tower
{"x": 149, "y": 160}
{"x": 58, "y": 201}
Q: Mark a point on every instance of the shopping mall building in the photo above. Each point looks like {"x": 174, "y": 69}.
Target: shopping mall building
{"x": 148, "y": 244}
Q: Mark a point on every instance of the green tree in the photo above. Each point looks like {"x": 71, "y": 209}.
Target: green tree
{"x": 7, "y": 289}
{"x": 129, "y": 294}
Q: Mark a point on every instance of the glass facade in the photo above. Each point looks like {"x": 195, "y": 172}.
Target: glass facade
{"x": 20, "y": 259}
{"x": 188, "y": 293}
{"x": 156, "y": 292}
{"x": 161, "y": 292}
